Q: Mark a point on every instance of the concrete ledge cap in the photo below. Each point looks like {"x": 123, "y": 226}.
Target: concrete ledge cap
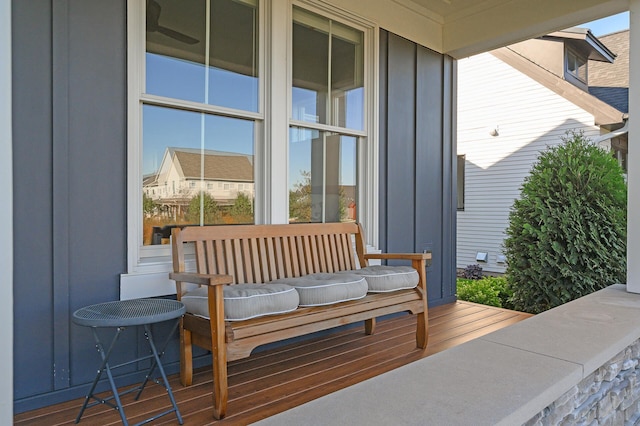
{"x": 505, "y": 377}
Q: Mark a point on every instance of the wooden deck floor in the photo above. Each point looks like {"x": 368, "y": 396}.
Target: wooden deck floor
{"x": 276, "y": 380}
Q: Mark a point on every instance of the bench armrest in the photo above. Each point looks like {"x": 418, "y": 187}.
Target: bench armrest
{"x": 201, "y": 279}
{"x": 406, "y": 256}
{"x": 410, "y": 256}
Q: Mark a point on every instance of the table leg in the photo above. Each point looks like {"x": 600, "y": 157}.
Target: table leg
{"x": 160, "y": 354}
{"x": 147, "y": 330}
{"x": 104, "y": 367}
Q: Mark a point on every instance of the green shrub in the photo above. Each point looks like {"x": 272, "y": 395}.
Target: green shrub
{"x": 567, "y": 232}
{"x": 492, "y": 291}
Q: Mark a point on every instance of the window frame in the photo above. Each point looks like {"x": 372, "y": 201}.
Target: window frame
{"x": 367, "y": 139}
{"x": 576, "y": 56}
{"x": 149, "y": 259}
{"x": 147, "y": 266}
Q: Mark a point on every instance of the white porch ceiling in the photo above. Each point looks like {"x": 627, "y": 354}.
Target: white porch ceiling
{"x": 471, "y": 26}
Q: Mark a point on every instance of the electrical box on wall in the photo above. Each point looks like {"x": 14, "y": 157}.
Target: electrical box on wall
{"x": 428, "y": 248}
{"x": 482, "y": 257}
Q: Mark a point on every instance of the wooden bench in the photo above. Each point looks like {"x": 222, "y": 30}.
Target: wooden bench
{"x": 261, "y": 253}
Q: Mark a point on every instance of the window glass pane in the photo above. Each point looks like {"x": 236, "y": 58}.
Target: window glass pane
{"x": 310, "y": 67}
{"x": 191, "y": 164}
{"x": 183, "y": 63}
{"x": 322, "y": 176}
{"x": 347, "y": 82}
{"x": 582, "y": 69}
{"x": 577, "y": 66}
{"x": 571, "y": 62}
{"x": 328, "y": 69}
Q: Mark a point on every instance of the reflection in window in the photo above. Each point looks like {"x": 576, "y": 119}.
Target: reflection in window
{"x": 206, "y": 52}
{"x": 322, "y": 170}
{"x": 183, "y": 63}
{"x": 197, "y": 153}
{"x": 328, "y": 70}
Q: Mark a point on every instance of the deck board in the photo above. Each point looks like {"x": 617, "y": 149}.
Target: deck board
{"x": 278, "y": 379}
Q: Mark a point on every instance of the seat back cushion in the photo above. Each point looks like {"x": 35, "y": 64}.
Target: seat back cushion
{"x": 245, "y": 301}
{"x": 326, "y": 289}
{"x": 385, "y": 278}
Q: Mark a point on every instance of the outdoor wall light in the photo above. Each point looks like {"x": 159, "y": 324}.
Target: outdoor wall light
{"x": 482, "y": 257}
{"x": 494, "y": 131}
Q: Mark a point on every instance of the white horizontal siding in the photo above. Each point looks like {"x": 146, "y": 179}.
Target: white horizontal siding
{"x": 529, "y": 118}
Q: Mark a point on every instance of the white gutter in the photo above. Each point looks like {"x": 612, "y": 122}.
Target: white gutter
{"x": 621, "y": 131}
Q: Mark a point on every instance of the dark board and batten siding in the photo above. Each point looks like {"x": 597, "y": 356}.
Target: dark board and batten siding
{"x": 418, "y": 157}
{"x": 69, "y": 156}
{"x": 70, "y": 168}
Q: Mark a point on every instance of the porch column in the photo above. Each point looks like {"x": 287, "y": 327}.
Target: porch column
{"x": 6, "y": 218}
{"x": 633, "y": 206}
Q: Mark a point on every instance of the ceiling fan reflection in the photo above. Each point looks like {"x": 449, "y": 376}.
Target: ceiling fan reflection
{"x": 153, "y": 15}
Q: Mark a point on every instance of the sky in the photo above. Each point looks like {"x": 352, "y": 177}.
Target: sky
{"x": 608, "y": 25}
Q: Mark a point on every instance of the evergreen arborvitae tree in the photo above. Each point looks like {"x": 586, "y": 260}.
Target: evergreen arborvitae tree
{"x": 567, "y": 232}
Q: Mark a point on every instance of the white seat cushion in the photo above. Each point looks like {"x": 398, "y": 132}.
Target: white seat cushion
{"x": 325, "y": 289}
{"x": 245, "y": 301}
{"x": 384, "y": 278}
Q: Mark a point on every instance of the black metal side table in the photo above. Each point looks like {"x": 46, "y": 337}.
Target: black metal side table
{"x": 123, "y": 314}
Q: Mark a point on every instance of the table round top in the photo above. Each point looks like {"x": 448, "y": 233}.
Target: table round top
{"x": 124, "y": 313}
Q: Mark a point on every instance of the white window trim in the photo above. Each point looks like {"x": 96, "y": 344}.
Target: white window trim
{"x": 135, "y": 71}
{"x": 368, "y": 159}
{"x": 150, "y": 278}
{"x": 136, "y": 96}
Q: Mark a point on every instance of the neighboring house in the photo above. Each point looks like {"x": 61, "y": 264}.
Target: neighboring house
{"x": 181, "y": 176}
{"x": 610, "y": 83}
{"x": 515, "y": 102}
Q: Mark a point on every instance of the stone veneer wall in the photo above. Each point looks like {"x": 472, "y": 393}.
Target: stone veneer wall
{"x": 608, "y": 396}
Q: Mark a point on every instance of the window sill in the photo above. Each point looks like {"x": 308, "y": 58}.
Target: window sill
{"x": 137, "y": 285}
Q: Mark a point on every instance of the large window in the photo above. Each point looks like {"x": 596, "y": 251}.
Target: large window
{"x": 200, "y": 96}
{"x": 328, "y": 111}
{"x": 237, "y": 118}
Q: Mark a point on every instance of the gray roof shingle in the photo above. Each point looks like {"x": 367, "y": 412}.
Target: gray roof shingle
{"x": 216, "y": 166}
{"x": 610, "y": 82}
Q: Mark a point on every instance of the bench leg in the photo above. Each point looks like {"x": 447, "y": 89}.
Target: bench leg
{"x": 422, "y": 325}
{"x": 370, "y": 326}
{"x": 218, "y": 352}
{"x": 220, "y": 387}
{"x": 186, "y": 357}
{"x": 422, "y": 330}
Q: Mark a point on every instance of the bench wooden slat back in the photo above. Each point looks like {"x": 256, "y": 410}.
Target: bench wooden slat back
{"x": 262, "y": 253}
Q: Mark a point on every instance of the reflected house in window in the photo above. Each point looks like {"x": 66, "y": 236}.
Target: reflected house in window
{"x": 186, "y": 172}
